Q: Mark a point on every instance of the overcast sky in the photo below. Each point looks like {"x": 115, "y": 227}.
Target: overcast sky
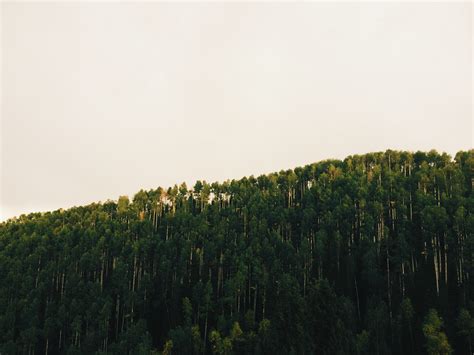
{"x": 102, "y": 99}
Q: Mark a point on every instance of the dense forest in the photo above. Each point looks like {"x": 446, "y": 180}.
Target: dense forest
{"x": 370, "y": 255}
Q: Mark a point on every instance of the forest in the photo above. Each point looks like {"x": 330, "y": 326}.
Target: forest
{"x": 373, "y": 254}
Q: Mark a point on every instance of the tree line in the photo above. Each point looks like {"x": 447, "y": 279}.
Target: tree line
{"x": 373, "y": 254}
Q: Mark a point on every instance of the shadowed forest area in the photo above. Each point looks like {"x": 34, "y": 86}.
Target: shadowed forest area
{"x": 370, "y": 255}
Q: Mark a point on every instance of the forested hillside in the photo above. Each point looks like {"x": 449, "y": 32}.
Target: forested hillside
{"x": 370, "y": 255}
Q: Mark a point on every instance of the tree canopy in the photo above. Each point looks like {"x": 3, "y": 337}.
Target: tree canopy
{"x": 370, "y": 254}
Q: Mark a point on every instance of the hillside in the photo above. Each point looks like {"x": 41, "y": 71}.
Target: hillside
{"x": 372, "y": 254}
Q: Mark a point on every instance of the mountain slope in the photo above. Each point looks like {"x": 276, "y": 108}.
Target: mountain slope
{"x": 365, "y": 255}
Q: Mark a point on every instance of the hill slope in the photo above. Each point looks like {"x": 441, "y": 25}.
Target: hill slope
{"x": 365, "y": 255}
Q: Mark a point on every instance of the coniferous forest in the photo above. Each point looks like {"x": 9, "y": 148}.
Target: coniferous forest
{"x": 370, "y": 255}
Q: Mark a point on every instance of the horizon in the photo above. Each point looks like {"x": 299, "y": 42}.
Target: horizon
{"x": 104, "y": 99}
{"x": 190, "y": 185}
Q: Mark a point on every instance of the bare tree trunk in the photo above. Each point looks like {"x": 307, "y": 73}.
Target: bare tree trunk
{"x": 357, "y": 297}
{"x": 436, "y": 266}
{"x": 445, "y": 262}
{"x": 255, "y": 302}
{"x": 205, "y": 335}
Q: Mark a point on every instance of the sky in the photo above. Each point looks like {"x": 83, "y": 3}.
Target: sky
{"x": 102, "y": 99}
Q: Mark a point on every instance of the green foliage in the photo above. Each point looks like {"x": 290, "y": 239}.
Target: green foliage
{"x": 362, "y": 342}
{"x": 436, "y": 340}
{"x": 337, "y": 257}
{"x": 406, "y": 310}
{"x": 167, "y": 349}
{"x": 220, "y": 346}
{"x": 465, "y": 325}
{"x": 329, "y": 319}
{"x": 122, "y": 204}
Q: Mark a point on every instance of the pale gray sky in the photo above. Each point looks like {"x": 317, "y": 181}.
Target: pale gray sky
{"x": 102, "y": 99}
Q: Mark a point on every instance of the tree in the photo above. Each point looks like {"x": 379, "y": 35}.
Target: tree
{"x": 436, "y": 340}
{"x": 335, "y": 257}
{"x": 465, "y": 325}
{"x": 168, "y": 348}
{"x": 406, "y": 321}
{"x": 328, "y": 320}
